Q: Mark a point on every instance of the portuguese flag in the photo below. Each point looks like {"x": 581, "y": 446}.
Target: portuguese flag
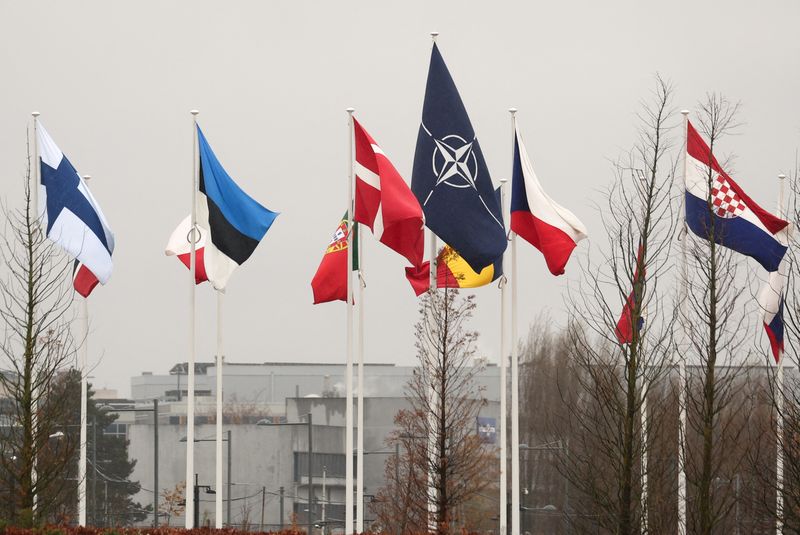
{"x": 330, "y": 281}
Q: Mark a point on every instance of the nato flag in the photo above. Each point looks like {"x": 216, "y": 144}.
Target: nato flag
{"x": 450, "y": 178}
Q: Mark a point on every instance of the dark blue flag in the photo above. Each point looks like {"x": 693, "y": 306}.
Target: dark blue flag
{"x": 450, "y": 177}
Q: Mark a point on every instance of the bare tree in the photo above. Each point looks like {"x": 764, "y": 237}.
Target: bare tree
{"x": 716, "y": 353}
{"x": 442, "y": 457}
{"x": 615, "y": 371}
{"x": 36, "y": 347}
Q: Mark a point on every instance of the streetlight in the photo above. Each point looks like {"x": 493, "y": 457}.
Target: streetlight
{"x": 196, "y": 497}
{"x": 228, "y": 482}
{"x": 154, "y": 410}
{"x": 309, "y": 424}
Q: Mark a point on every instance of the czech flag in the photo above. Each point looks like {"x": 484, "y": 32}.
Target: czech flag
{"x": 717, "y": 208}
{"x": 537, "y": 218}
{"x": 770, "y": 299}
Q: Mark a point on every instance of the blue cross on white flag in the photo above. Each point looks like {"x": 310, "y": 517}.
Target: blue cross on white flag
{"x": 69, "y": 212}
{"x": 450, "y": 177}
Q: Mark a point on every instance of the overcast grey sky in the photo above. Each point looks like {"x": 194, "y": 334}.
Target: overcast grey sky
{"x": 114, "y": 82}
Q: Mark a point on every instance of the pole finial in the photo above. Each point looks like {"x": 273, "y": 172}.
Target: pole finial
{"x": 87, "y": 177}
{"x": 684, "y": 112}
{"x": 512, "y": 111}
{"x": 350, "y": 110}
{"x": 194, "y": 112}
{"x": 503, "y": 181}
{"x": 35, "y": 114}
{"x": 781, "y": 176}
{"x": 434, "y": 35}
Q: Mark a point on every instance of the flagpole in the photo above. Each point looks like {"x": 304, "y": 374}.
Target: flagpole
{"x": 643, "y": 420}
{"x": 432, "y": 494}
{"x": 515, "y": 503}
{"x": 348, "y": 498}
{"x": 360, "y": 402}
{"x": 189, "y": 510}
{"x": 779, "y": 400}
{"x": 682, "y": 380}
{"x": 503, "y": 387}
{"x": 84, "y": 304}
{"x": 220, "y": 361}
{"x": 34, "y": 192}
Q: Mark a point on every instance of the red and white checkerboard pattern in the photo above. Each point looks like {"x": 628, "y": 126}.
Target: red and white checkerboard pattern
{"x": 725, "y": 201}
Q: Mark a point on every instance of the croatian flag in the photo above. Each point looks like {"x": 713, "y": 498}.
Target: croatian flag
{"x": 770, "y": 299}
{"x": 718, "y": 209}
{"x": 537, "y": 218}
{"x": 235, "y": 221}
{"x": 72, "y": 217}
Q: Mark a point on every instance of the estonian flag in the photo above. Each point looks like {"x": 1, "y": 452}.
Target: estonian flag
{"x": 450, "y": 178}
{"x": 716, "y": 207}
{"x": 72, "y": 217}
{"x": 235, "y": 221}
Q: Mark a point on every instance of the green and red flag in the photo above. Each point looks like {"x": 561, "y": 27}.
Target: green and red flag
{"x": 330, "y": 281}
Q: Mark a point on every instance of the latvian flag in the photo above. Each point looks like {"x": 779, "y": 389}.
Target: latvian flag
{"x": 72, "y": 216}
{"x": 180, "y": 245}
{"x": 384, "y": 202}
{"x": 770, "y": 299}
{"x": 236, "y": 223}
{"x": 718, "y": 209}
{"x": 537, "y": 218}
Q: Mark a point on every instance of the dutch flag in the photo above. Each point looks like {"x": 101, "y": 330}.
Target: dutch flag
{"x": 72, "y": 217}
{"x": 716, "y": 207}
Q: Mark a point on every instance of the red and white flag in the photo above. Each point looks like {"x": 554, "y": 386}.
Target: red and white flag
{"x": 180, "y": 246}
{"x": 384, "y": 202}
{"x": 83, "y": 280}
{"x": 537, "y": 218}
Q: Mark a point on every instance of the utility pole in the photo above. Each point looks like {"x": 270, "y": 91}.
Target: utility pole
{"x": 155, "y": 463}
{"x": 281, "y": 509}
{"x": 263, "y": 502}
{"x": 228, "y": 493}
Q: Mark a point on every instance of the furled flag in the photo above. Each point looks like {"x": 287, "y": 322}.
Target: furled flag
{"x": 452, "y": 271}
{"x": 624, "y": 330}
{"x": 537, "y": 218}
{"x": 450, "y": 178}
{"x": 72, "y": 217}
{"x": 770, "y": 299}
{"x": 180, "y": 245}
{"x": 384, "y": 202}
{"x": 738, "y": 222}
{"x": 83, "y": 280}
{"x": 330, "y": 280}
{"x": 236, "y": 223}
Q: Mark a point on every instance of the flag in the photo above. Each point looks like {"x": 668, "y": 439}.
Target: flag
{"x": 537, "y": 218}
{"x": 83, "y": 280}
{"x": 738, "y": 222}
{"x": 330, "y": 280}
{"x": 236, "y": 223}
{"x": 624, "y": 330}
{"x": 452, "y": 271}
{"x": 180, "y": 245}
{"x": 70, "y": 214}
{"x": 384, "y": 202}
{"x": 770, "y": 299}
{"x": 450, "y": 178}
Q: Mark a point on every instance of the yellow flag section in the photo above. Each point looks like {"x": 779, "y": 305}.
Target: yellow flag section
{"x": 454, "y": 272}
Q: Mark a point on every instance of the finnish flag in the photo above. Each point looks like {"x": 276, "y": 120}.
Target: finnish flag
{"x": 70, "y": 213}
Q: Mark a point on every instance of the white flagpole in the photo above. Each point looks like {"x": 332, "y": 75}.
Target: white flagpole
{"x": 432, "y": 493}
{"x": 360, "y": 385}
{"x": 682, "y": 381}
{"x": 503, "y": 386}
{"x": 218, "y": 441}
{"x": 779, "y": 402}
{"x": 189, "y": 510}
{"x": 84, "y": 401}
{"x": 348, "y": 490}
{"x": 35, "y": 202}
{"x": 515, "y": 503}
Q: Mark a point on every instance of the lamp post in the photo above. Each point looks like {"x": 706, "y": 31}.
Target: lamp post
{"x": 547, "y": 446}
{"x": 309, "y": 424}
{"x": 196, "y": 497}
{"x": 228, "y": 483}
{"x": 154, "y": 410}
